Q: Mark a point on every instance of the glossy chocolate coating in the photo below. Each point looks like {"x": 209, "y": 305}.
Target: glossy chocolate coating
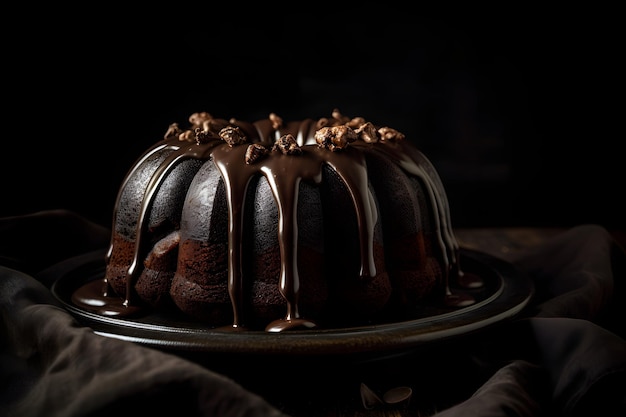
{"x": 372, "y": 212}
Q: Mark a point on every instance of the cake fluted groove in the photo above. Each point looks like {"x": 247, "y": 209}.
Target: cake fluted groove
{"x": 331, "y": 162}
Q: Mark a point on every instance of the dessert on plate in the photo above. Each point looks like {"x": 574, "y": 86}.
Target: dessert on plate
{"x": 280, "y": 225}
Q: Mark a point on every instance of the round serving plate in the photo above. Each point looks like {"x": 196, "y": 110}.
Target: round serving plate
{"x": 505, "y": 293}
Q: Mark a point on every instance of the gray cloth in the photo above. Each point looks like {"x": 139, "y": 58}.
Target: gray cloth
{"x": 568, "y": 358}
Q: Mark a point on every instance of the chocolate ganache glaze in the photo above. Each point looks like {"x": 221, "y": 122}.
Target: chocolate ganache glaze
{"x": 161, "y": 224}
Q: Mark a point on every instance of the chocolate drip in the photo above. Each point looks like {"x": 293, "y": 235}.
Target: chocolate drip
{"x": 416, "y": 163}
{"x": 105, "y": 303}
{"x": 353, "y": 171}
{"x": 284, "y": 174}
{"x": 159, "y": 147}
{"x": 178, "y": 154}
{"x": 157, "y": 179}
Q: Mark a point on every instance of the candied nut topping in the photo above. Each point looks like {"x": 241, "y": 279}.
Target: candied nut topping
{"x": 214, "y": 125}
{"x": 367, "y": 132}
{"x": 172, "y": 131}
{"x": 335, "y": 137}
{"x": 335, "y": 120}
{"x": 356, "y": 122}
{"x": 187, "y": 136}
{"x": 255, "y": 152}
{"x": 203, "y": 136}
{"x": 339, "y": 118}
{"x": 277, "y": 121}
{"x": 322, "y": 122}
{"x": 333, "y": 133}
{"x": 233, "y": 135}
{"x": 390, "y": 134}
{"x": 288, "y": 145}
{"x": 197, "y": 119}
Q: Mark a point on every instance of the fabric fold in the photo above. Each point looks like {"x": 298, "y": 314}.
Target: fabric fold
{"x": 572, "y": 273}
{"x": 53, "y": 366}
{"x": 565, "y": 357}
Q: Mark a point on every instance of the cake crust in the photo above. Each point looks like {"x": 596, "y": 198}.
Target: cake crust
{"x": 282, "y": 226}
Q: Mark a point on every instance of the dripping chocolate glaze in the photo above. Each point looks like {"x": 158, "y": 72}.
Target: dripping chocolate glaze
{"x": 284, "y": 174}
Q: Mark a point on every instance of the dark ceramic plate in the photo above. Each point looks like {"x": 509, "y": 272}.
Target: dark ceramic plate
{"x": 504, "y": 295}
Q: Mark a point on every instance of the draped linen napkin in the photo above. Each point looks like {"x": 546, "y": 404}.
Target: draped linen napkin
{"x": 566, "y": 358}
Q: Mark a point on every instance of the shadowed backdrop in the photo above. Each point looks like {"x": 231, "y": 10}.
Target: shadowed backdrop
{"x": 516, "y": 110}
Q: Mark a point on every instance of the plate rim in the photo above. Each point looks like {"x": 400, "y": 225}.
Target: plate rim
{"x": 513, "y": 295}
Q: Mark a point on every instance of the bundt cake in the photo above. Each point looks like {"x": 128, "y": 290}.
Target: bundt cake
{"x": 275, "y": 226}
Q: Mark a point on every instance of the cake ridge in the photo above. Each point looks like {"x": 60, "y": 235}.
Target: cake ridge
{"x": 285, "y": 155}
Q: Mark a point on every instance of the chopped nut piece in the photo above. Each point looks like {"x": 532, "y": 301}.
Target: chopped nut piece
{"x": 340, "y": 118}
{"x": 197, "y": 119}
{"x": 204, "y": 136}
{"x": 276, "y": 120}
{"x": 356, "y": 122}
{"x": 232, "y": 135}
{"x": 255, "y": 152}
{"x": 288, "y": 145}
{"x": 390, "y": 134}
{"x": 367, "y": 133}
{"x": 335, "y": 137}
{"x": 172, "y": 130}
{"x": 214, "y": 125}
{"x": 333, "y": 133}
{"x": 187, "y": 136}
{"x": 322, "y": 122}
{"x": 336, "y": 119}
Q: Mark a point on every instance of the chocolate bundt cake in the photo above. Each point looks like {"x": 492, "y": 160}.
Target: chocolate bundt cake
{"x": 273, "y": 225}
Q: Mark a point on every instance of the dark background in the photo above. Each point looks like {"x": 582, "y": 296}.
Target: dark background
{"x": 521, "y": 111}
